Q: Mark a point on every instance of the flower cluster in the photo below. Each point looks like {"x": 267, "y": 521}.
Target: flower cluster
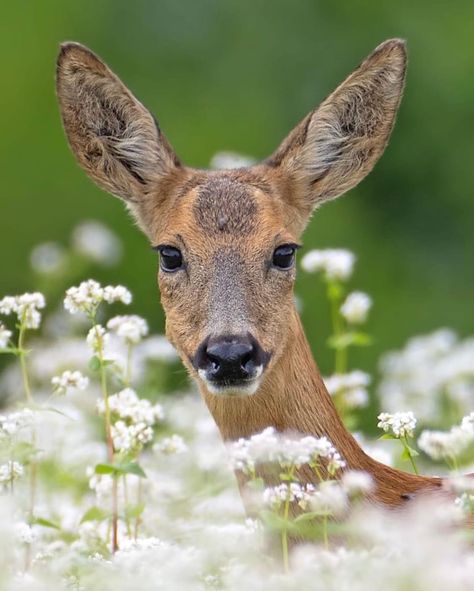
{"x": 448, "y": 445}
{"x": 14, "y": 422}
{"x": 131, "y": 328}
{"x": 336, "y": 264}
{"x": 87, "y": 297}
{"x": 270, "y": 446}
{"x": 97, "y": 338}
{"x": 69, "y": 380}
{"x": 431, "y": 371}
{"x": 10, "y": 472}
{"x": 356, "y": 307}
{"x": 292, "y": 492}
{"x": 353, "y": 386}
{"x": 171, "y": 445}
{"x": 5, "y": 335}
{"x": 134, "y": 419}
{"x": 399, "y": 424}
{"x": 25, "y": 306}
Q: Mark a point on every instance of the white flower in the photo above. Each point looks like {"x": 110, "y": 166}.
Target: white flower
{"x": 276, "y": 496}
{"x": 117, "y": 293}
{"x": 446, "y": 445}
{"x": 47, "y": 257}
{"x": 356, "y": 307}
{"x": 69, "y": 380}
{"x": 127, "y": 406}
{"x": 10, "y": 471}
{"x": 88, "y": 295}
{"x": 352, "y": 385}
{"x": 336, "y": 264}
{"x": 131, "y": 328}
{"x": 95, "y": 241}
{"x": 85, "y": 298}
{"x": 329, "y": 499}
{"x": 357, "y": 483}
{"x": 25, "y": 533}
{"x": 400, "y": 424}
{"x": 14, "y": 422}
{"x": 97, "y": 338}
{"x": 5, "y": 335}
{"x": 171, "y": 445}
{"x": 229, "y": 160}
{"x": 467, "y": 423}
{"x": 25, "y": 306}
{"x": 132, "y": 437}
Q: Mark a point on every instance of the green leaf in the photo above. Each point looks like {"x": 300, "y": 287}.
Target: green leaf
{"x": 358, "y": 339}
{"x": 388, "y": 436}
{"x": 44, "y": 523}
{"x": 407, "y": 452}
{"x": 132, "y": 468}
{"x": 311, "y": 515}
{"x": 94, "y": 514}
{"x": 105, "y": 469}
{"x": 108, "y": 362}
{"x": 94, "y": 363}
{"x": 135, "y": 511}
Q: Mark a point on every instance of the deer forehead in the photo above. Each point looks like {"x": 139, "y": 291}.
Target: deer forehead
{"x": 226, "y": 211}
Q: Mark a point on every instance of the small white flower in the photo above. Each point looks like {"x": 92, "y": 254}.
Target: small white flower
{"x": 274, "y": 497}
{"x": 25, "y": 306}
{"x": 400, "y": 424}
{"x": 26, "y": 534}
{"x": 117, "y": 293}
{"x": 95, "y": 241}
{"x": 329, "y": 499}
{"x": 356, "y": 307}
{"x": 10, "y": 472}
{"x": 352, "y": 385}
{"x": 14, "y": 422}
{"x": 5, "y": 335}
{"x": 47, "y": 257}
{"x": 357, "y": 483}
{"x": 69, "y": 380}
{"x": 336, "y": 264}
{"x": 127, "y": 406}
{"x": 445, "y": 445}
{"x": 131, "y": 328}
{"x": 171, "y": 445}
{"x": 132, "y": 437}
{"x": 467, "y": 423}
{"x": 97, "y": 338}
{"x": 85, "y": 297}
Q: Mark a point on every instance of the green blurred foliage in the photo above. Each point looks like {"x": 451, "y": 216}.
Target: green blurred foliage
{"x": 221, "y": 74}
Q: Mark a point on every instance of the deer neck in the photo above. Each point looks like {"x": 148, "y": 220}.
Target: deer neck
{"x": 292, "y": 397}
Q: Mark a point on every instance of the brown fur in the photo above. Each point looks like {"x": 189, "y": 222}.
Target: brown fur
{"x": 227, "y": 225}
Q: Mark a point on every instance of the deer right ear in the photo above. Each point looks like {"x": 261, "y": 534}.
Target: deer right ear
{"x": 338, "y": 144}
{"x": 114, "y": 138}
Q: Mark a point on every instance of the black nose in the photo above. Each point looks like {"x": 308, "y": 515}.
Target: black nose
{"x": 230, "y": 359}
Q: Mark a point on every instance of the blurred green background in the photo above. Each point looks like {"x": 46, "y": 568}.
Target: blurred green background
{"x": 238, "y": 75}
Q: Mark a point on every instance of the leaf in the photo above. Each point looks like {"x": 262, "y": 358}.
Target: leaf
{"x": 94, "y": 514}
{"x": 407, "y": 452}
{"x": 132, "y": 468}
{"x": 135, "y": 510}
{"x": 24, "y": 451}
{"x": 358, "y": 339}
{"x": 388, "y": 436}
{"x": 44, "y": 523}
{"x": 312, "y": 515}
{"x": 105, "y": 469}
{"x": 94, "y": 363}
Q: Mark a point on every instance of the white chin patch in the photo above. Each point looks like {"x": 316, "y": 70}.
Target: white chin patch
{"x": 246, "y": 389}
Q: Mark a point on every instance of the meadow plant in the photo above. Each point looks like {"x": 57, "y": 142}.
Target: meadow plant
{"x": 76, "y": 511}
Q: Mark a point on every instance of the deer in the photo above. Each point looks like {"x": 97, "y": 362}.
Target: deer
{"x": 227, "y": 243}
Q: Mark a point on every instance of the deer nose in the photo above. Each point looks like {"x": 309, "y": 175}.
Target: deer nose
{"x": 230, "y": 360}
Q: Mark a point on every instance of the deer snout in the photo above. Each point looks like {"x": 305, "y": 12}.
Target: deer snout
{"x": 230, "y": 364}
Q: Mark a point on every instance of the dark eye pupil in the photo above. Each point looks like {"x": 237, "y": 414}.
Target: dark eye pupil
{"x": 171, "y": 258}
{"x": 284, "y": 256}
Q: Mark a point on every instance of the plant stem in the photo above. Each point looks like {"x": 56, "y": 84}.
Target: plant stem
{"x": 128, "y": 373}
{"x": 125, "y": 496}
{"x": 108, "y": 434}
{"x": 138, "y": 518}
{"x": 409, "y": 454}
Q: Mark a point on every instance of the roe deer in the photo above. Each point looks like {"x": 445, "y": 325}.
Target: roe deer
{"x": 227, "y": 242}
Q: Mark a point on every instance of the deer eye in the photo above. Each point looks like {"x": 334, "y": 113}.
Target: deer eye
{"x": 171, "y": 259}
{"x": 284, "y": 256}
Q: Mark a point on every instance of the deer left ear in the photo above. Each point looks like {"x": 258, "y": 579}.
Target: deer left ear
{"x": 338, "y": 144}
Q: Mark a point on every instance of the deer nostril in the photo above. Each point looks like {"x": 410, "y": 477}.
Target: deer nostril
{"x": 228, "y": 359}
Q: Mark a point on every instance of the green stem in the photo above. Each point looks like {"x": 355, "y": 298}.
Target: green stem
{"x": 286, "y": 512}
{"x": 411, "y": 458}
{"x": 128, "y": 372}
{"x": 125, "y": 496}
{"x": 22, "y": 357}
{"x": 325, "y": 532}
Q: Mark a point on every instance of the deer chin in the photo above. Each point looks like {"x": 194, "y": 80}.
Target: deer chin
{"x": 243, "y": 388}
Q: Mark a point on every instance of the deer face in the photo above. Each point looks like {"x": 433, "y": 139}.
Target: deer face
{"x": 227, "y": 240}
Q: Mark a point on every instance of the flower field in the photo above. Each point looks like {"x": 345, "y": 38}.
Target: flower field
{"x": 108, "y": 482}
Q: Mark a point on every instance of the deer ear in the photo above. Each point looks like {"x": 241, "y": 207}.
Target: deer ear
{"x": 338, "y": 144}
{"x": 114, "y": 138}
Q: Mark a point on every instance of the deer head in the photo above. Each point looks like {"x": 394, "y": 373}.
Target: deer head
{"x": 227, "y": 239}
